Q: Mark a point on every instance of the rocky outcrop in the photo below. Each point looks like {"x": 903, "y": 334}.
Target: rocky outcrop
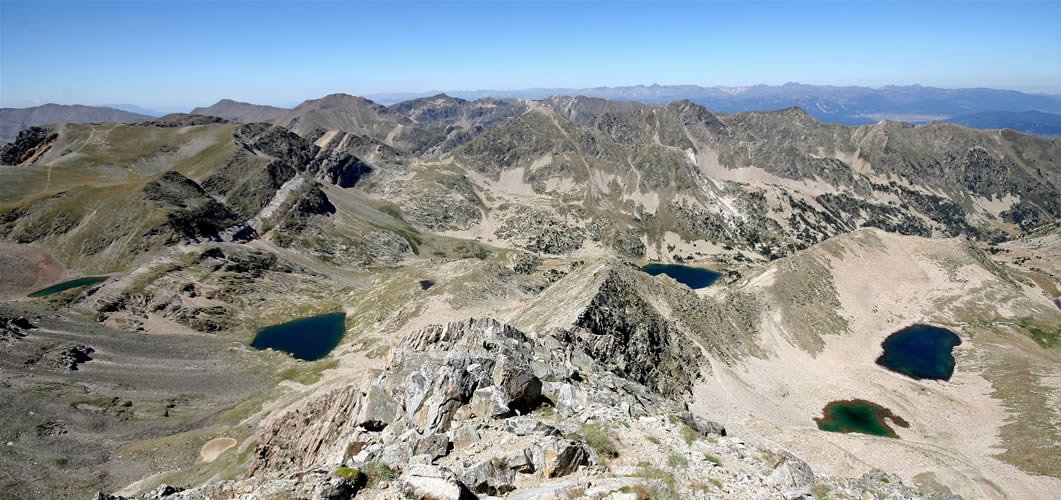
{"x": 193, "y": 214}
{"x": 446, "y": 202}
{"x": 626, "y": 334}
{"x": 792, "y": 475}
{"x": 540, "y": 231}
{"x": 71, "y": 357}
{"x": 13, "y": 328}
{"x": 30, "y": 144}
{"x": 429, "y": 481}
{"x": 446, "y": 390}
{"x": 342, "y": 169}
{"x": 649, "y": 330}
{"x": 432, "y": 375}
{"x": 316, "y": 484}
{"x": 182, "y": 120}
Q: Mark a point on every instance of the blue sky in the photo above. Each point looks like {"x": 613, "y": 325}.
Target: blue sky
{"x": 174, "y": 55}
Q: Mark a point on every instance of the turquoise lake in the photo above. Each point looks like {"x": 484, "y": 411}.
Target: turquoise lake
{"x": 67, "y": 285}
{"x": 859, "y": 415}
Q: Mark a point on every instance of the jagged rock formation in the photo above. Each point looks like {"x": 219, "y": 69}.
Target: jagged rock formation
{"x": 642, "y": 327}
{"x": 30, "y": 143}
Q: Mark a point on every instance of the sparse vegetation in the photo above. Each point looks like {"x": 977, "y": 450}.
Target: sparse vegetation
{"x": 350, "y": 474}
{"x": 669, "y": 487}
{"x": 821, "y": 491}
{"x": 714, "y": 460}
{"x": 307, "y": 373}
{"x": 598, "y": 439}
{"x": 1046, "y": 336}
{"x": 638, "y": 490}
{"x": 706, "y": 487}
{"x": 677, "y": 461}
{"x": 378, "y": 473}
{"x": 689, "y": 434}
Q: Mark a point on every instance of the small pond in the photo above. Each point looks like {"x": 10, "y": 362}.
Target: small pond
{"x": 308, "y": 339}
{"x": 692, "y": 277}
{"x": 859, "y": 415}
{"x": 67, "y": 285}
{"x": 920, "y": 352}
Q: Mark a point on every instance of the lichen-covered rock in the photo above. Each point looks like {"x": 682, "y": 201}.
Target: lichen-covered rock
{"x": 702, "y": 425}
{"x": 432, "y": 482}
{"x": 792, "y": 475}
{"x": 491, "y": 477}
{"x": 489, "y": 402}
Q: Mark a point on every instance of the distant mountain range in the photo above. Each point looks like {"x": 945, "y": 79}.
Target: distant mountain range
{"x": 1032, "y": 122}
{"x": 977, "y": 108}
{"x": 132, "y": 108}
{"x": 14, "y": 119}
{"x": 242, "y": 112}
{"x": 830, "y": 104}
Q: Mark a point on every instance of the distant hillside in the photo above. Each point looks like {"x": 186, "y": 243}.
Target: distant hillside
{"x": 848, "y": 105}
{"x": 1032, "y": 122}
{"x": 242, "y": 112}
{"x": 14, "y": 119}
{"x": 133, "y": 108}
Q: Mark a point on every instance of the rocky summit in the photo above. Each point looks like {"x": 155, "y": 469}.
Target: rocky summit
{"x": 500, "y": 336}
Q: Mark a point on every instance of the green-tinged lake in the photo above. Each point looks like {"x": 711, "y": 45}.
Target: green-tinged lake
{"x": 859, "y": 415}
{"x": 690, "y": 276}
{"x": 67, "y": 285}
{"x": 308, "y": 339}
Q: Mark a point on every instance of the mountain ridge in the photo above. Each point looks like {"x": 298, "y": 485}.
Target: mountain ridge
{"x": 242, "y": 112}
{"x": 487, "y": 257}
{"x": 850, "y": 105}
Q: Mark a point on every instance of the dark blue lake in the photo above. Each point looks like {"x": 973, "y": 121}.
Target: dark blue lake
{"x": 67, "y": 285}
{"x": 692, "y": 277}
{"x": 920, "y": 352}
{"x": 308, "y": 339}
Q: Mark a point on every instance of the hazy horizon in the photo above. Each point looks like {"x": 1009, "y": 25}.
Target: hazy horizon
{"x": 170, "y": 56}
{"x": 397, "y": 96}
